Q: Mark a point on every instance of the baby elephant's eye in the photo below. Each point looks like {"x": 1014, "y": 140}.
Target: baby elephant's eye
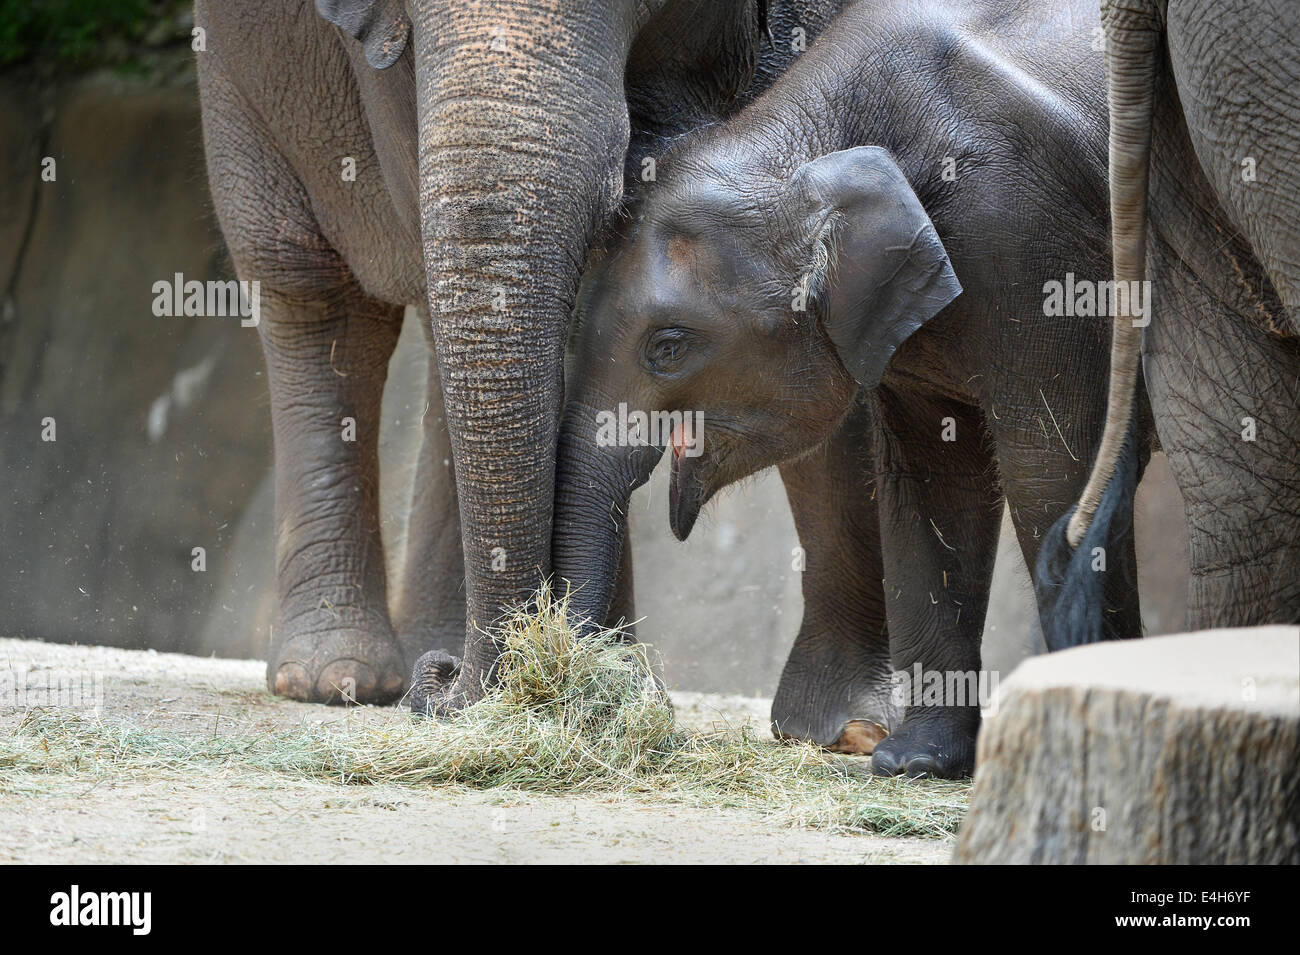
{"x": 665, "y": 349}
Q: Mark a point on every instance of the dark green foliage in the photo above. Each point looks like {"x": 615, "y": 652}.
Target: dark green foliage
{"x": 80, "y": 34}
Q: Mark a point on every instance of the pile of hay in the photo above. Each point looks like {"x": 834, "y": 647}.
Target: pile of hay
{"x": 569, "y": 716}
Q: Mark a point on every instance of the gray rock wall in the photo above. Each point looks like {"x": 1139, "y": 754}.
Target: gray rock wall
{"x": 161, "y": 430}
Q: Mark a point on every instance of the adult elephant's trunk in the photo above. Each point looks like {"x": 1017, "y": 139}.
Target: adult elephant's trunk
{"x": 594, "y": 480}
{"x": 522, "y": 133}
{"x": 1133, "y": 34}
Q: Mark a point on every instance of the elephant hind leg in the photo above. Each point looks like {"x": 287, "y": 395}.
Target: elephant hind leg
{"x": 1046, "y": 432}
{"x": 1227, "y": 400}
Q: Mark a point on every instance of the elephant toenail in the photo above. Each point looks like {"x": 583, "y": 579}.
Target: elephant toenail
{"x": 348, "y": 681}
{"x": 885, "y": 763}
{"x": 292, "y": 681}
{"x": 925, "y": 765}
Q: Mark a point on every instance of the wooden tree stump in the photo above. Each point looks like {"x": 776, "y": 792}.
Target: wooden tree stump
{"x": 1178, "y": 749}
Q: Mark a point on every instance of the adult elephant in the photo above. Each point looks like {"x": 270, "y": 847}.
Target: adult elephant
{"x": 457, "y": 156}
{"x": 1204, "y": 148}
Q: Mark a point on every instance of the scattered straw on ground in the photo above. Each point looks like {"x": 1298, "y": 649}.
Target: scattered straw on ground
{"x": 569, "y": 716}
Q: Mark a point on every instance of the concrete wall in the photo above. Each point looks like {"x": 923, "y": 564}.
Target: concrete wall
{"x": 163, "y": 429}
{"x": 160, "y": 423}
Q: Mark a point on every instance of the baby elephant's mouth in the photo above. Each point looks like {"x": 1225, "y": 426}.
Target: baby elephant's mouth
{"x": 686, "y": 493}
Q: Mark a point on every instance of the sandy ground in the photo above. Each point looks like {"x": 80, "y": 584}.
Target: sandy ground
{"x": 240, "y": 815}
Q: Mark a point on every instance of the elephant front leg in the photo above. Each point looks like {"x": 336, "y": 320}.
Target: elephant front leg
{"x": 429, "y": 606}
{"x": 835, "y": 688}
{"x": 326, "y": 364}
{"x": 939, "y": 518}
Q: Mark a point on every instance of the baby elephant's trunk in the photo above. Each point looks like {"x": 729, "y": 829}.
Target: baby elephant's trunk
{"x": 597, "y": 469}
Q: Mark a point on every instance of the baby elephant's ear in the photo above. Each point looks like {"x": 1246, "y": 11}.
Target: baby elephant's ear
{"x": 886, "y": 271}
{"x": 380, "y": 25}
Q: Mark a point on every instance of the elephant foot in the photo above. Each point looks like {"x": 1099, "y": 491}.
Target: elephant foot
{"x": 935, "y": 741}
{"x": 433, "y": 682}
{"x": 844, "y": 709}
{"x": 337, "y": 666}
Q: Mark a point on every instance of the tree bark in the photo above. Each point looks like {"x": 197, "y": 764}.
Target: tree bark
{"x": 1169, "y": 750}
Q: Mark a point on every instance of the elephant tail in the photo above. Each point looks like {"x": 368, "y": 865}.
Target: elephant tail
{"x": 1069, "y": 589}
{"x": 1071, "y": 581}
{"x": 1069, "y": 584}
{"x": 1133, "y": 39}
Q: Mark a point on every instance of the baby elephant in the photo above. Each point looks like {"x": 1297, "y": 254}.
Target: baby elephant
{"x": 851, "y": 279}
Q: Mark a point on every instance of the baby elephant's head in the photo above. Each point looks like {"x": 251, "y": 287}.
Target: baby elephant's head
{"x": 734, "y": 321}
